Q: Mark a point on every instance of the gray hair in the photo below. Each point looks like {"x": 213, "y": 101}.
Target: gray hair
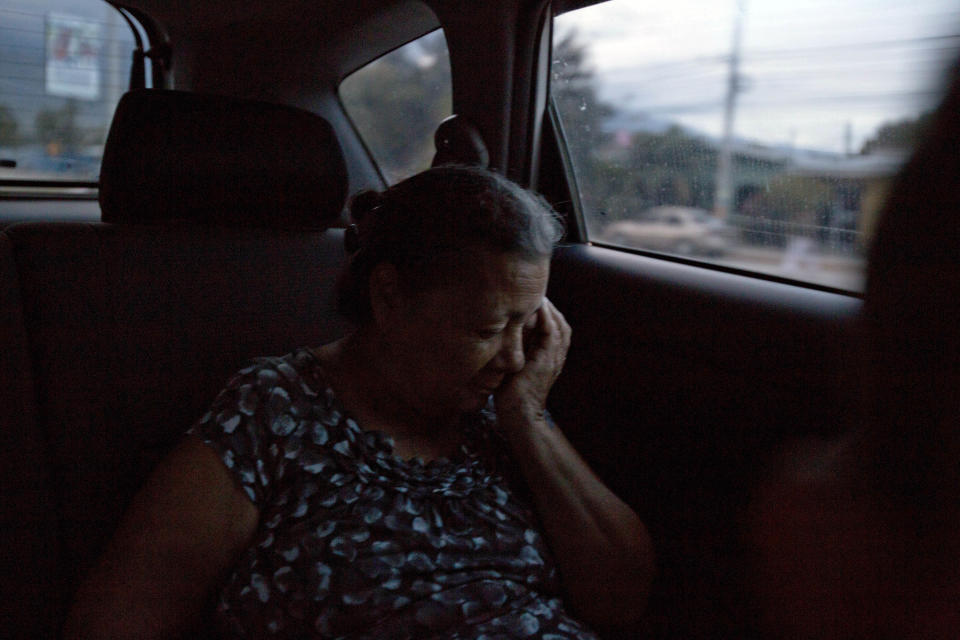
{"x": 425, "y": 224}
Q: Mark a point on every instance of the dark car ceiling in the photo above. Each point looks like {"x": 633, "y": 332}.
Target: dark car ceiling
{"x": 335, "y": 36}
{"x": 296, "y": 53}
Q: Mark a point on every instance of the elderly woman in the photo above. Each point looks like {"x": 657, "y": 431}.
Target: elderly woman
{"x": 404, "y": 481}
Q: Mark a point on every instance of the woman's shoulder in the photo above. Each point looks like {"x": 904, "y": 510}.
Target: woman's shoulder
{"x": 298, "y": 371}
{"x": 300, "y": 362}
{"x": 268, "y": 415}
{"x": 272, "y": 391}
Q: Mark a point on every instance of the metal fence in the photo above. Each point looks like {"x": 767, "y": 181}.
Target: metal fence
{"x": 771, "y": 232}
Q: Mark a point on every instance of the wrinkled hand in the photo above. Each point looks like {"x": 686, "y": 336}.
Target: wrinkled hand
{"x": 521, "y": 399}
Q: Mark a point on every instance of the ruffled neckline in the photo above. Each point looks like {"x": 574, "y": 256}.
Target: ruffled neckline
{"x": 477, "y": 428}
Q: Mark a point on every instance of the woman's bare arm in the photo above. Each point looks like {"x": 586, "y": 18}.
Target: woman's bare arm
{"x": 181, "y": 532}
{"x": 602, "y": 549}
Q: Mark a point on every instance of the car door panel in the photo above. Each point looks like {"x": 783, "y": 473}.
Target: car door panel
{"x": 680, "y": 385}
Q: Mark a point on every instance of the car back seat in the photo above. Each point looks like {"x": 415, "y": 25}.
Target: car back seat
{"x": 216, "y": 250}
{"x": 28, "y": 541}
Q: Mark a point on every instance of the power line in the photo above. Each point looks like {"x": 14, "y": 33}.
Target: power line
{"x": 43, "y": 33}
{"x": 42, "y": 16}
{"x": 41, "y": 50}
{"x": 84, "y": 83}
{"x": 712, "y": 105}
{"x": 759, "y": 54}
{"x": 46, "y": 96}
{"x": 42, "y": 65}
{"x": 858, "y": 46}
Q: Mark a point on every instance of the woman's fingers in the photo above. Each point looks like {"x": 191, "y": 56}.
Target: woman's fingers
{"x": 532, "y": 321}
{"x": 546, "y": 339}
{"x": 558, "y": 324}
{"x": 556, "y": 336}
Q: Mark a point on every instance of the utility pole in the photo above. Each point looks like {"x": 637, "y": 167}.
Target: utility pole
{"x": 723, "y": 196}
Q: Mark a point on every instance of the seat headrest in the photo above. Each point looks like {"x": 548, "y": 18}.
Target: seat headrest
{"x": 174, "y": 155}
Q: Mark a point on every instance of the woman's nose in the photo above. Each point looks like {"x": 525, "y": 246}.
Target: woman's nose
{"x": 511, "y": 351}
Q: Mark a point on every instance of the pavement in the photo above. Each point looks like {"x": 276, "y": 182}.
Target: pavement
{"x": 807, "y": 264}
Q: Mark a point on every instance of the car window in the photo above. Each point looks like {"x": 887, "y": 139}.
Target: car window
{"x": 63, "y": 66}
{"x": 397, "y": 102}
{"x": 777, "y": 126}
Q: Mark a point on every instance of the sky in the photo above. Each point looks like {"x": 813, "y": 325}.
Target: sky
{"x": 812, "y": 70}
{"x": 816, "y": 74}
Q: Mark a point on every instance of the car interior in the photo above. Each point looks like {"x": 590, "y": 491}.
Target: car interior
{"x": 214, "y": 233}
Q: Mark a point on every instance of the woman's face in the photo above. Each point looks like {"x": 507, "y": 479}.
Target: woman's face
{"x": 453, "y": 345}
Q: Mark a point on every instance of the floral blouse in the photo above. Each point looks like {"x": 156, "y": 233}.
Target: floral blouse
{"x": 356, "y": 542}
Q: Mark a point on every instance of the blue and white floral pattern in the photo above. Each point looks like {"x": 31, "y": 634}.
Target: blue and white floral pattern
{"x": 356, "y": 542}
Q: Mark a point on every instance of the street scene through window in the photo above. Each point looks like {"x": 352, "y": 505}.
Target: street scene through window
{"x": 63, "y": 66}
{"x": 397, "y": 101}
{"x": 756, "y": 134}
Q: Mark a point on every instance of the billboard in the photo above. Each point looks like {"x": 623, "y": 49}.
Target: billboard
{"x": 72, "y": 57}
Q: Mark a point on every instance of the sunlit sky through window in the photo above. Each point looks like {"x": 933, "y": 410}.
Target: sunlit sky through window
{"x": 815, "y": 74}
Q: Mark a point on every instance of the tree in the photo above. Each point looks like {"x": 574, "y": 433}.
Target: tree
{"x": 795, "y": 199}
{"x": 574, "y": 94}
{"x": 682, "y": 167}
{"x": 8, "y": 127}
{"x": 573, "y": 89}
{"x": 59, "y": 127}
{"x": 900, "y": 135}
{"x": 618, "y": 182}
{"x": 398, "y": 101}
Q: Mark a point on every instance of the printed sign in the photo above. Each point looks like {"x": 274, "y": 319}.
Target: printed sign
{"x": 72, "y": 65}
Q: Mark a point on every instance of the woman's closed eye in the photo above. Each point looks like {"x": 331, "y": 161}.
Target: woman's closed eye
{"x": 487, "y": 333}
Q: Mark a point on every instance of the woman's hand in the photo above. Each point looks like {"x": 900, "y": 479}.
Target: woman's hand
{"x": 522, "y": 398}
{"x": 602, "y": 549}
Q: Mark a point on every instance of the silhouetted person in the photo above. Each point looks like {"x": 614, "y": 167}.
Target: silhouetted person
{"x": 860, "y": 538}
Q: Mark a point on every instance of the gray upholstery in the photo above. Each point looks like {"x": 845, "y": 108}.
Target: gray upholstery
{"x": 28, "y": 541}
{"x": 116, "y": 337}
{"x": 133, "y": 331}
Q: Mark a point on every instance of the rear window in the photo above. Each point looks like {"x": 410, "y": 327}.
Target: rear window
{"x": 397, "y": 102}
{"x": 63, "y": 66}
{"x": 753, "y": 134}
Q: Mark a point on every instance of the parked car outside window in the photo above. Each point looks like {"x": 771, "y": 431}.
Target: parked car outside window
{"x": 676, "y": 229}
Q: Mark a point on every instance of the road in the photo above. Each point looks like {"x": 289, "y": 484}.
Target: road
{"x": 808, "y": 264}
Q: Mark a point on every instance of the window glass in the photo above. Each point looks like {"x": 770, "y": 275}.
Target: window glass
{"x": 757, "y": 134}
{"x": 397, "y": 102}
{"x": 63, "y": 66}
